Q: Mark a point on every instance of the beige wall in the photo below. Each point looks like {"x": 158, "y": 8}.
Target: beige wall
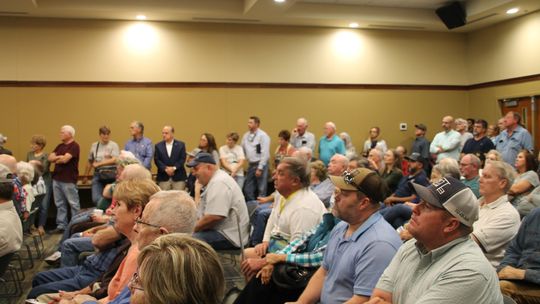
{"x": 218, "y": 111}
{"x": 506, "y": 50}
{"x": 42, "y": 49}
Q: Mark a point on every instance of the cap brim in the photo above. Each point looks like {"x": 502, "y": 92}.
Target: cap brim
{"x": 192, "y": 164}
{"x": 426, "y": 195}
{"x": 340, "y": 183}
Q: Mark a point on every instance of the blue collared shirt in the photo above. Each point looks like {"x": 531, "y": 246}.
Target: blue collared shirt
{"x": 142, "y": 149}
{"x": 509, "y": 146}
{"x": 354, "y": 264}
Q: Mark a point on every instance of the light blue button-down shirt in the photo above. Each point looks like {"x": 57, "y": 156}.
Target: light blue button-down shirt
{"x": 142, "y": 149}
{"x": 509, "y": 146}
{"x": 257, "y": 147}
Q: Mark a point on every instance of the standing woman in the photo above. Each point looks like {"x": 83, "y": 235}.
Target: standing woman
{"x": 350, "y": 150}
{"x": 284, "y": 148}
{"x": 392, "y": 173}
{"x": 233, "y": 158}
{"x": 527, "y": 179}
{"x": 207, "y": 144}
{"x": 102, "y": 156}
{"x": 37, "y": 143}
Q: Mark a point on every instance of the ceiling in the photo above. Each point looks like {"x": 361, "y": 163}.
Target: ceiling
{"x": 375, "y": 14}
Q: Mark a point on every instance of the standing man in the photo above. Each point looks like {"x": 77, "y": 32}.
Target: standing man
{"x": 330, "y": 143}
{"x": 359, "y": 248}
{"x": 217, "y": 224}
{"x": 170, "y": 156}
{"x": 442, "y": 264}
{"x": 513, "y": 139}
{"x": 139, "y": 145}
{"x": 420, "y": 144}
{"x": 469, "y": 167}
{"x": 66, "y": 171}
{"x": 256, "y": 144}
{"x": 480, "y": 144}
{"x": 446, "y": 143}
{"x": 301, "y": 137}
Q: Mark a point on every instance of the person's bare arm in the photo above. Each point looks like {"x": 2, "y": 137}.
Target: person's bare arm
{"x": 208, "y": 221}
{"x": 105, "y": 237}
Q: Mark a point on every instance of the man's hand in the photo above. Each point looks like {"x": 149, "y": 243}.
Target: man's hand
{"x": 79, "y": 299}
{"x": 511, "y": 273}
{"x": 265, "y": 274}
{"x": 250, "y": 267}
{"x": 169, "y": 171}
{"x": 377, "y": 300}
{"x": 389, "y": 201}
{"x": 67, "y": 295}
{"x": 260, "y": 249}
{"x": 258, "y": 173}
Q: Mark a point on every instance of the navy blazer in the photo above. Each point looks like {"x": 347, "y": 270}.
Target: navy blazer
{"x": 177, "y": 159}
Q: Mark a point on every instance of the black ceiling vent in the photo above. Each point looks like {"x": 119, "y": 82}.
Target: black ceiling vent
{"x": 453, "y": 15}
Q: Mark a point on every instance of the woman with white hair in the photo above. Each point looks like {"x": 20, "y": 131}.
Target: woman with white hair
{"x": 25, "y": 172}
{"x": 350, "y": 150}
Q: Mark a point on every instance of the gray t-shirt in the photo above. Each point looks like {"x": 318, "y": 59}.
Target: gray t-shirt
{"x": 218, "y": 198}
{"x": 532, "y": 178}
{"x": 456, "y": 272}
{"x": 107, "y": 150}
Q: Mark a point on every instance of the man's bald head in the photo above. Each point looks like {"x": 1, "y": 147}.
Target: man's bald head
{"x": 9, "y": 161}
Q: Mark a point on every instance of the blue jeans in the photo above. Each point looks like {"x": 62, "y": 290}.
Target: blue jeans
{"x": 64, "y": 194}
{"x": 45, "y": 203}
{"x": 258, "y": 221}
{"x": 397, "y": 215}
{"x": 97, "y": 189}
{"x": 240, "y": 180}
{"x": 255, "y": 186}
{"x": 81, "y": 217}
{"x": 67, "y": 278}
{"x": 72, "y": 248}
{"x": 214, "y": 239}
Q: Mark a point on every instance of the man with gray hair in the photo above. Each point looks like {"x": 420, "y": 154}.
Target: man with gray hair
{"x": 3, "y": 140}
{"x": 66, "y": 171}
{"x": 10, "y": 225}
{"x": 304, "y": 153}
{"x": 330, "y": 143}
{"x": 19, "y": 196}
{"x": 469, "y": 166}
{"x": 301, "y": 137}
{"x": 296, "y": 211}
{"x": 220, "y": 200}
{"x": 139, "y": 145}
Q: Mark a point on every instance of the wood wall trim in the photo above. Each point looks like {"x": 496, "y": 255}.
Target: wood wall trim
{"x": 262, "y": 85}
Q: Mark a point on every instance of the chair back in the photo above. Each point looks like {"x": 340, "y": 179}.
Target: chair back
{"x": 508, "y": 300}
{"x": 4, "y": 263}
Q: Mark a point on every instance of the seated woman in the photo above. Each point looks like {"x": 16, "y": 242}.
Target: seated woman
{"x": 177, "y": 269}
{"x": 392, "y": 173}
{"x": 207, "y": 144}
{"x": 320, "y": 183}
{"x": 233, "y": 158}
{"x": 527, "y": 179}
{"x": 305, "y": 252}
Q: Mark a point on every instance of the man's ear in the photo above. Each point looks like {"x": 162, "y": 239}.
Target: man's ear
{"x": 163, "y": 230}
{"x": 451, "y": 225}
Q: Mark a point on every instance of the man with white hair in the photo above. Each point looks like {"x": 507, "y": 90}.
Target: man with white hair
{"x": 301, "y": 137}
{"x": 66, "y": 171}
{"x": 19, "y": 196}
{"x": 10, "y": 225}
{"x": 304, "y": 153}
{"x": 140, "y": 145}
{"x": 330, "y": 143}
{"x": 462, "y": 128}
{"x": 3, "y": 150}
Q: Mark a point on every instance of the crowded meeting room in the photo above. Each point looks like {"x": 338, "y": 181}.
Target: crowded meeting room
{"x": 231, "y": 151}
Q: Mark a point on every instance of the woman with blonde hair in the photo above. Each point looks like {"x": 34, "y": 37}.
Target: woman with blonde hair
{"x": 178, "y": 269}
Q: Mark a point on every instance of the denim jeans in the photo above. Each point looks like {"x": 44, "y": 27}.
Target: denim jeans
{"x": 81, "y": 217}
{"x": 66, "y": 278}
{"x": 45, "y": 203}
{"x": 397, "y": 215}
{"x": 255, "y": 186}
{"x": 214, "y": 239}
{"x": 64, "y": 194}
{"x": 97, "y": 189}
{"x": 258, "y": 221}
{"x": 72, "y": 248}
{"x": 240, "y": 180}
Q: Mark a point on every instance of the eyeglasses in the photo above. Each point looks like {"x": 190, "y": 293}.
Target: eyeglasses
{"x": 140, "y": 222}
{"x": 135, "y": 282}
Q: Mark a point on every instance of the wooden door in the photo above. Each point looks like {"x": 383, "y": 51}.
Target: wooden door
{"x": 527, "y": 107}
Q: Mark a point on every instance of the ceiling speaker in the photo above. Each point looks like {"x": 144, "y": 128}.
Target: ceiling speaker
{"x": 453, "y": 15}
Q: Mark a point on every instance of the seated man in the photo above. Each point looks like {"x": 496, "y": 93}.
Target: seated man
{"x": 359, "y": 248}
{"x": 398, "y": 207}
{"x": 297, "y": 210}
{"x": 519, "y": 271}
{"x": 217, "y": 225}
{"x": 442, "y": 264}
{"x": 11, "y": 234}
{"x": 469, "y": 167}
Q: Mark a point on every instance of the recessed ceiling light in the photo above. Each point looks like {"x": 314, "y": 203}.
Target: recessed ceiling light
{"x": 512, "y": 11}
{"x": 353, "y": 25}
{"x": 141, "y": 17}
{"x": 279, "y": 1}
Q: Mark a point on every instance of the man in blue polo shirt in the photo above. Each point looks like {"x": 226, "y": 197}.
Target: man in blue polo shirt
{"x": 360, "y": 247}
{"x": 513, "y": 139}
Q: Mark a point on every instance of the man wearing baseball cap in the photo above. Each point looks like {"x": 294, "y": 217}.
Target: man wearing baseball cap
{"x": 217, "y": 224}
{"x": 442, "y": 264}
{"x": 420, "y": 144}
{"x": 359, "y": 248}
